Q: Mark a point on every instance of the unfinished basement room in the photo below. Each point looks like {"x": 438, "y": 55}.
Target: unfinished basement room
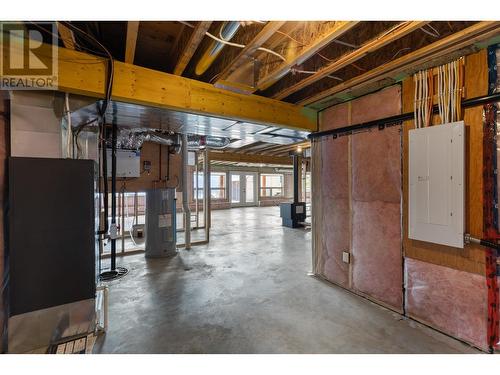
{"x": 219, "y": 186}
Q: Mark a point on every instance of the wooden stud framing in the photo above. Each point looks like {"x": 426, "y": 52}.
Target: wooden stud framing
{"x": 132, "y": 31}
{"x": 313, "y": 46}
{"x": 392, "y": 35}
{"x": 67, "y": 36}
{"x": 478, "y": 32}
{"x": 191, "y": 46}
{"x": 248, "y": 158}
{"x": 268, "y": 30}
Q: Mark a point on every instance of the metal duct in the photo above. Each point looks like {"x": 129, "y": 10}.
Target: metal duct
{"x": 227, "y": 31}
{"x": 133, "y": 139}
{"x": 198, "y": 141}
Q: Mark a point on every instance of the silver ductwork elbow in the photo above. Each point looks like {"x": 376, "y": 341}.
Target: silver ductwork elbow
{"x": 196, "y": 142}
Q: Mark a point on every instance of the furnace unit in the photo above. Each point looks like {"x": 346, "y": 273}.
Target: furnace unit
{"x": 52, "y": 250}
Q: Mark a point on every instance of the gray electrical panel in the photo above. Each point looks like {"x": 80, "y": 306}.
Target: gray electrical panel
{"x": 160, "y": 223}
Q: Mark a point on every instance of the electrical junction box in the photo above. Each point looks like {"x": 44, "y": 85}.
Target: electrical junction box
{"x": 436, "y": 184}
{"x": 128, "y": 163}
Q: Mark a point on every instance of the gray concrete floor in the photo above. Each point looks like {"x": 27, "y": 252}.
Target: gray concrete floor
{"x": 248, "y": 292}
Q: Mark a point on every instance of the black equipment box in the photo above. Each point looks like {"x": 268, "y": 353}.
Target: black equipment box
{"x": 292, "y": 214}
{"x": 52, "y": 239}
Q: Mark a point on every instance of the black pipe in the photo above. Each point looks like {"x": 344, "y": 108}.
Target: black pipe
{"x": 113, "y": 193}
{"x": 295, "y": 178}
{"x": 491, "y": 245}
{"x": 168, "y": 163}
{"x": 104, "y": 228}
{"x": 394, "y": 120}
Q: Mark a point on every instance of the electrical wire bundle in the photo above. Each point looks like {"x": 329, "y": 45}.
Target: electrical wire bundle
{"x": 449, "y": 92}
{"x": 424, "y": 93}
{"x": 448, "y": 95}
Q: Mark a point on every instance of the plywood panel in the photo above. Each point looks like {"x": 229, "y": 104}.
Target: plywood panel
{"x": 471, "y": 258}
{"x": 450, "y": 300}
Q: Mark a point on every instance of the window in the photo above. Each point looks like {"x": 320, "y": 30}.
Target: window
{"x": 271, "y": 185}
{"x": 217, "y": 185}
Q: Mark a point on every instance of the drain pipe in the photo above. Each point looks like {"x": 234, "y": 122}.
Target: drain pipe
{"x": 185, "y": 203}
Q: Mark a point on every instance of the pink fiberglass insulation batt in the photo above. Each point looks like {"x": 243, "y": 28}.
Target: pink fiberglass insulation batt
{"x": 384, "y": 103}
{"x": 376, "y": 166}
{"x": 450, "y": 300}
{"x": 335, "y": 117}
{"x": 374, "y": 204}
{"x": 376, "y": 195}
{"x": 376, "y": 251}
{"x": 336, "y": 212}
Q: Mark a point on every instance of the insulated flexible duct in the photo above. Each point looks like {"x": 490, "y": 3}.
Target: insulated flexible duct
{"x": 133, "y": 139}
{"x": 195, "y": 142}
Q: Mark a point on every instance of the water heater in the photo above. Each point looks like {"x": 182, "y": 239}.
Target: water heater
{"x": 160, "y": 223}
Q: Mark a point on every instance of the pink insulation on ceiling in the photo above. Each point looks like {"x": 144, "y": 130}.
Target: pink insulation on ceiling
{"x": 450, "y": 300}
{"x": 336, "y": 210}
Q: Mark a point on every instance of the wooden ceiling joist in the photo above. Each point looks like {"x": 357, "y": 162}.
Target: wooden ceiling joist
{"x": 246, "y": 53}
{"x": 84, "y": 74}
{"x": 131, "y": 41}
{"x": 248, "y": 158}
{"x": 287, "y": 148}
{"x": 310, "y": 48}
{"x": 191, "y": 46}
{"x": 67, "y": 36}
{"x": 479, "y": 32}
{"x": 392, "y": 35}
